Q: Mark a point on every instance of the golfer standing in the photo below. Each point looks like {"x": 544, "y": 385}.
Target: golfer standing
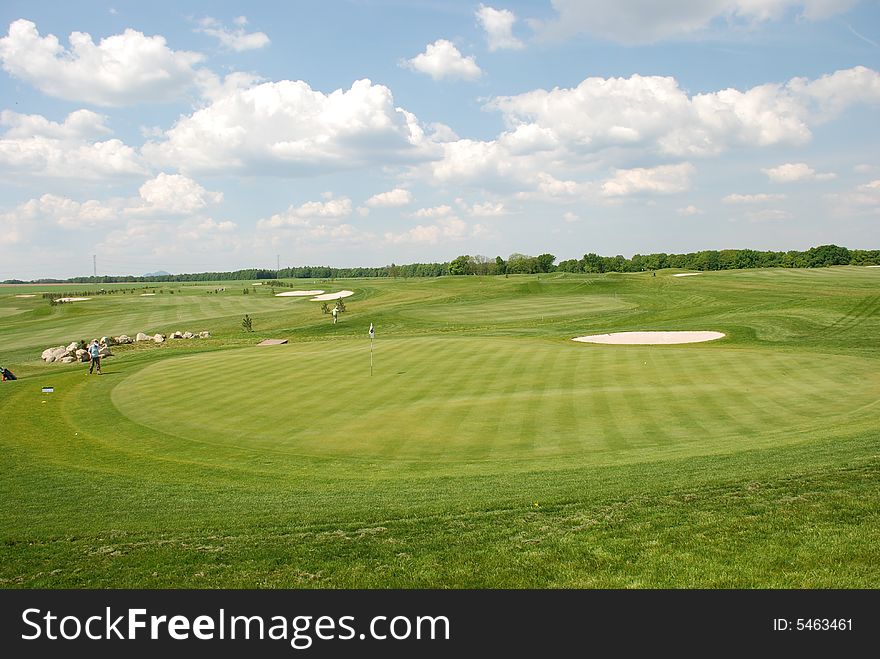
{"x": 335, "y": 313}
{"x": 95, "y": 356}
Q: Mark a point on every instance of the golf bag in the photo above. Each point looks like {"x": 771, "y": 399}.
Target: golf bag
{"x": 7, "y": 374}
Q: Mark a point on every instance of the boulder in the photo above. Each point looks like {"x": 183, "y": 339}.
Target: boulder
{"x": 158, "y": 338}
{"x": 123, "y": 339}
{"x": 177, "y": 335}
{"x": 141, "y": 337}
{"x": 55, "y": 354}
{"x": 106, "y": 341}
{"x": 73, "y": 346}
{"x": 204, "y": 335}
{"x": 105, "y": 351}
{"x": 68, "y": 359}
{"x": 80, "y": 353}
{"x": 188, "y": 335}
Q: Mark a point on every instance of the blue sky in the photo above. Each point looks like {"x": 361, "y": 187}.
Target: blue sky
{"x": 186, "y": 136}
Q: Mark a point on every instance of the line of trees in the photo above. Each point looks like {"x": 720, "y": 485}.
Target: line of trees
{"x": 725, "y": 259}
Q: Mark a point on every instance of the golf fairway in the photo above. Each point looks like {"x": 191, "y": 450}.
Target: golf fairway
{"x": 486, "y": 449}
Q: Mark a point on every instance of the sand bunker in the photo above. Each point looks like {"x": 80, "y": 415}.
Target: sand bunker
{"x": 332, "y": 296}
{"x": 687, "y": 274}
{"x": 25, "y": 296}
{"x": 147, "y": 294}
{"x": 872, "y": 266}
{"x": 298, "y": 293}
{"x": 650, "y": 338}
{"x": 73, "y": 299}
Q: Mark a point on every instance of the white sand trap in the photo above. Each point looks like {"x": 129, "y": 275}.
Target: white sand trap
{"x": 147, "y": 294}
{"x": 25, "y": 296}
{"x": 73, "y": 299}
{"x": 257, "y": 283}
{"x": 332, "y": 296}
{"x": 298, "y": 293}
{"x": 650, "y": 338}
{"x": 687, "y": 274}
{"x": 867, "y": 266}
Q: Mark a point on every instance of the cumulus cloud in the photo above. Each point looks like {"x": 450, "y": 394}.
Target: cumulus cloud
{"x": 760, "y": 198}
{"x": 863, "y": 200}
{"x": 122, "y": 69}
{"x": 498, "y": 24}
{"x": 654, "y": 112}
{"x": 33, "y": 145}
{"x": 445, "y": 229}
{"x": 664, "y": 179}
{"x": 237, "y": 39}
{"x": 390, "y": 199}
{"x": 178, "y": 194}
{"x": 436, "y": 211}
{"x": 796, "y": 171}
{"x": 689, "y": 210}
{"x": 162, "y": 196}
{"x": 287, "y": 128}
{"x": 488, "y": 209}
{"x": 307, "y": 213}
{"x": 442, "y": 60}
{"x": 647, "y": 21}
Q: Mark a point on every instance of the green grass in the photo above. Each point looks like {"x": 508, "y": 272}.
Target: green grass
{"x": 485, "y": 450}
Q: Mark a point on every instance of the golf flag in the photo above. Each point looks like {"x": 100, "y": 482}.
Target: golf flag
{"x": 371, "y": 330}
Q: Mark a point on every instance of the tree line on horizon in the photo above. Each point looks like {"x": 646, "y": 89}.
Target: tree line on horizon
{"x": 725, "y": 259}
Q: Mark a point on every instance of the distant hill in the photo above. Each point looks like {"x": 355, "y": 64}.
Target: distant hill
{"x": 158, "y": 273}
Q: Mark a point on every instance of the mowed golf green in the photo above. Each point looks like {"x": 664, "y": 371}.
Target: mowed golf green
{"x": 493, "y": 399}
{"x": 483, "y": 448}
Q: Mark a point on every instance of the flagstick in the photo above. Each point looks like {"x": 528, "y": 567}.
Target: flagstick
{"x": 371, "y": 356}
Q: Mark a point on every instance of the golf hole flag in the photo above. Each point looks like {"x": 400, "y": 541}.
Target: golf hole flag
{"x": 371, "y": 349}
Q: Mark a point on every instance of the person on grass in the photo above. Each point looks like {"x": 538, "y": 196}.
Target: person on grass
{"x": 95, "y": 356}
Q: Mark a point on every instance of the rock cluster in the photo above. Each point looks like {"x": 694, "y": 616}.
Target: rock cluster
{"x": 76, "y": 351}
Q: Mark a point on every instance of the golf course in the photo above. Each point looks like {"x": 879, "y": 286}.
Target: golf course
{"x": 471, "y": 443}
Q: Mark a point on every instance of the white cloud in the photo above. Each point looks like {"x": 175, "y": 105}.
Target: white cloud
{"x": 760, "y": 198}
{"x": 797, "y": 171}
{"x": 304, "y": 215}
{"x": 122, "y": 69}
{"x": 237, "y": 39}
{"x": 689, "y": 210}
{"x": 178, "y": 194}
{"x": 390, "y": 199}
{"x": 36, "y": 146}
{"x": 163, "y": 195}
{"x": 442, "y": 60}
{"x": 498, "y": 24}
{"x": 287, "y": 128}
{"x": 441, "y": 133}
{"x": 488, "y": 209}
{"x": 196, "y": 232}
{"x": 51, "y": 209}
{"x": 653, "y": 112}
{"x": 863, "y": 200}
{"x": 445, "y": 229}
{"x": 436, "y": 211}
{"x": 664, "y": 179}
{"x": 648, "y": 21}
{"x": 570, "y": 217}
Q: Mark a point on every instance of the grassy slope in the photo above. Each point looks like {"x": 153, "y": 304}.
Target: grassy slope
{"x": 92, "y": 498}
